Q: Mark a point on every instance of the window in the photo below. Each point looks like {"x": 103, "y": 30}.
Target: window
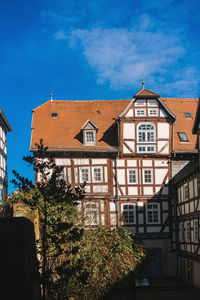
{"x": 152, "y": 102}
{"x": 153, "y": 213}
{"x": 84, "y": 175}
{"x": 140, "y": 112}
{"x": 196, "y": 231}
{"x": 147, "y": 176}
{"x": 188, "y": 231}
{"x": 186, "y": 192}
{"x": 89, "y": 136}
{"x": 152, "y": 112}
{"x": 128, "y": 213}
{"x": 188, "y": 114}
{"x": 91, "y": 213}
{"x": 144, "y": 149}
{"x": 183, "y": 136}
{"x": 140, "y": 102}
{"x": 146, "y": 132}
{"x": 182, "y": 233}
{"x": 132, "y": 176}
{"x": 54, "y": 115}
{"x": 97, "y": 174}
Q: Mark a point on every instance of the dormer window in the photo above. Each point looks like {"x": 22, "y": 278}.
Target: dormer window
{"x": 90, "y": 137}
{"x": 89, "y": 130}
{"x": 54, "y": 115}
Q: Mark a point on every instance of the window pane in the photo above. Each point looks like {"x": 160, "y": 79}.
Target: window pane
{"x": 97, "y": 174}
{"x": 85, "y": 175}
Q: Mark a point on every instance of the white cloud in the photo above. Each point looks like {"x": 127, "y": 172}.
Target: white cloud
{"x": 123, "y": 56}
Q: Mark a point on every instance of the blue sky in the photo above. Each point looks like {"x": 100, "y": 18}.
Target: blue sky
{"x": 87, "y": 49}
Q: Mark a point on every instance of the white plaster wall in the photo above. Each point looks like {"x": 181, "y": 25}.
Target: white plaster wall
{"x": 147, "y": 163}
{"x": 131, "y": 145}
{"x": 140, "y": 204}
{"x": 106, "y": 174}
{"x": 129, "y": 113}
{"x": 131, "y": 163}
{"x": 140, "y": 219}
{"x": 163, "y": 147}
{"x": 163, "y": 130}
{"x": 132, "y": 191}
{"x": 153, "y": 229}
{"x": 102, "y": 220}
{"x": 99, "y": 161}
{"x": 123, "y": 190}
{"x": 120, "y": 163}
{"x": 165, "y": 215}
{"x": 129, "y": 131}
{"x": 102, "y": 205}
{"x": 165, "y": 205}
{"x": 100, "y": 188}
{"x": 161, "y": 163}
{"x": 113, "y": 219}
{"x": 112, "y": 206}
{"x": 121, "y": 176}
{"x": 141, "y": 229}
{"x": 81, "y": 161}
{"x": 62, "y": 161}
{"x": 87, "y": 188}
{"x": 192, "y": 206}
{"x": 191, "y": 190}
{"x": 148, "y": 190}
{"x": 160, "y": 175}
{"x": 195, "y": 188}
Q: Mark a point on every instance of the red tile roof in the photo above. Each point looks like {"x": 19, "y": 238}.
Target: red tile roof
{"x": 64, "y": 131}
{"x": 146, "y": 93}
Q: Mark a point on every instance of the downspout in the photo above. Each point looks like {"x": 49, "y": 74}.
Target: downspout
{"x": 116, "y": 177}
{"x": 175, "y": 205}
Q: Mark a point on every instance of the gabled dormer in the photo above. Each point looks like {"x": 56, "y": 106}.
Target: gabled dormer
{"x": 89, "y": 130}
{"x": 145, "y": 125}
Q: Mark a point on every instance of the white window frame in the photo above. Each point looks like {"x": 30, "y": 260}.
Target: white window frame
{"x": 145, "y": 148}
{"x": 147, "y": 137}
{"x": 188, "y": 232}
{"x": 143, "y": 176}
{"x": 128, "y": 175}
{"x": 152, "y": 103}
{"x": 186, "y": 192}
{"x": 138, "y": 112}
{"x": 196, "y": 230}
{"x": 132, "y": 208}
{"x": 80, "y": 174}
{"x": 153, "y": 210}
{"x": 140, "y": 102}
{"x": 150, "y": 110}
{"x": 93, "y": 173}
{"x": 86, "y": 142}
{"x": 88, "y": 211}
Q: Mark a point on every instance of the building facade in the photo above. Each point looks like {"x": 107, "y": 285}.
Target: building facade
{"x": 4, "y": 128}
{"x": 187, "y": 183}
{"x": 126, "y": 151}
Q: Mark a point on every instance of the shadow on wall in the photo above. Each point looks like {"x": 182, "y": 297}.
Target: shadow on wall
{"x": 18, "y": 261}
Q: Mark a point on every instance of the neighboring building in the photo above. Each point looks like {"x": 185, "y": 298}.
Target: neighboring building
{"x": 126, "y": 151}
{"x": 4, "y": 128}
{"x": 188, "y": 215}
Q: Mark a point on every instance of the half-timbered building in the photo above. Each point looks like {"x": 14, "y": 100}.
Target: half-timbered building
{"x": 123, "y": 150}
{"x": 188, "y": 215}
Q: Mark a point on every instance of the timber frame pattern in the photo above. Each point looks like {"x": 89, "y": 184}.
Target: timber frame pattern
{"x": 123, "y": 150}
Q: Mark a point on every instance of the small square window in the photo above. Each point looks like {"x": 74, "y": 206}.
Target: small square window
{"x": 188, "y": 114}
{"x": 54, "y": 115}
{"x": 140, "y": 112}
{"x": 152, "y": 112}
{"x": 183, "y": 136}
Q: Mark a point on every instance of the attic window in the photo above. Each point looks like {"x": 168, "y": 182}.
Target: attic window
{"x": 183, "y": 137}
{"x": 188, "y": 114}
{"x": 54, "y": 115}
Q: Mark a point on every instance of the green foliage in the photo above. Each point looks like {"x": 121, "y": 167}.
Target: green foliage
{"x": 59, "y": 223}
{"x": 105, "y": 257}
